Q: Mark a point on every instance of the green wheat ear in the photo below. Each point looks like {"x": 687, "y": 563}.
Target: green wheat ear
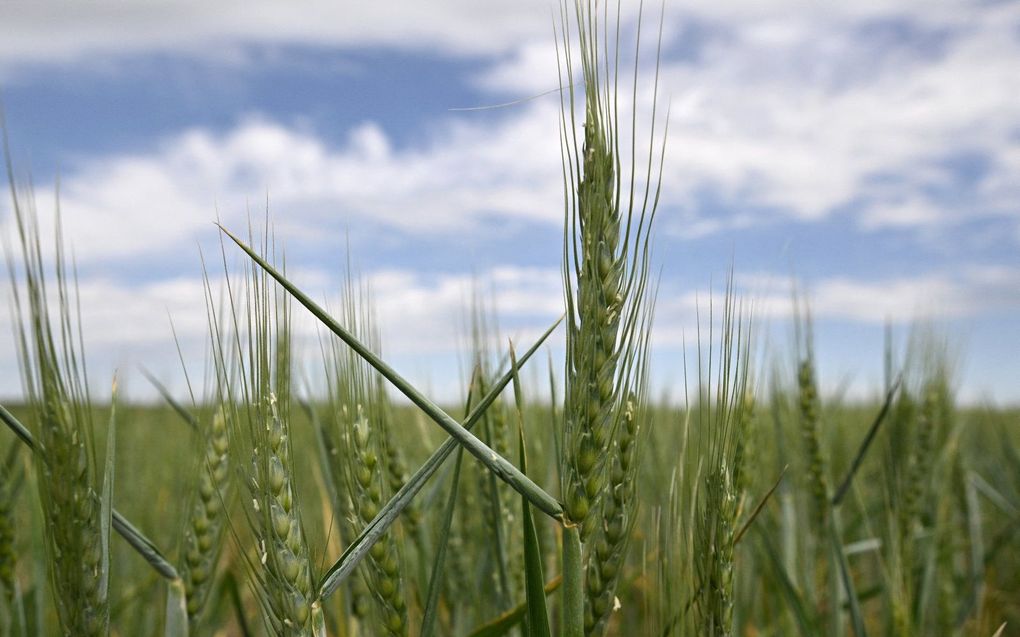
{"x": 809, "y": 411}
{"x": 206, "y": 523}
{"x": 371, "y": 475}
{"x": 605, "y": 270}
{"x": 75, "y": 505}
{"x": 253, "y": 366}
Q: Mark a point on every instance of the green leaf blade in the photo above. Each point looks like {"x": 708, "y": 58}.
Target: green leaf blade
{"x": 375, "y": 529}
{"x": 534, "y": 578}
{"x": 428, "y": 621}
{"x": 503, "y": 469}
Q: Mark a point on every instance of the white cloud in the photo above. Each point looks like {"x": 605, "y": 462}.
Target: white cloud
{"x": 429, "y": 314}
{"x": 68, "y": 31}
{"x": 816, "y": 119}
{"x": 893, "y": 214}
{"x": 422, "y": 319}
{"x": 796, "y": 112}
{"x": 807, "y": 114}
{"x": 529, "y": 70}
{"x": 968, "y": 292}
{"x": 163, "y": 202}
{"x": 780, "y": 117}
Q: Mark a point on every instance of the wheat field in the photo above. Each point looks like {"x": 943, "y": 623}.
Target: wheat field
{"x": 319, "y": 492}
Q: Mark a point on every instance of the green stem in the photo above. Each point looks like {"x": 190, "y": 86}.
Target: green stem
{"x": 572, "y": 610}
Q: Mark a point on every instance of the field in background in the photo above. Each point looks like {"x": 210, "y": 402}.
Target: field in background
{"x": 972, "y": 496}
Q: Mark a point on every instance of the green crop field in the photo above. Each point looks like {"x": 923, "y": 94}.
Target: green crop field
{"x": 962, "y": 546}
{"x": 352, "y": 504}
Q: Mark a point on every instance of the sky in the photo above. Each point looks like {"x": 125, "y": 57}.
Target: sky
{"x": 867, "y": 155}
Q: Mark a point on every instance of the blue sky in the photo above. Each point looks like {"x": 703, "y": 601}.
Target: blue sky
{"x": 872, "y": 152}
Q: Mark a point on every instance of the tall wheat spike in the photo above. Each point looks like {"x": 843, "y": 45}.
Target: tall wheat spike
{"x": 724, "y": 418}
{"x": 372, "y": 473}
{"x": 254, "y": 373}
{"x": 56, "y": 385}
{"x": 809, "y": 411}
{"x": 605, "y": 273}
{"x": 605, "y": 267}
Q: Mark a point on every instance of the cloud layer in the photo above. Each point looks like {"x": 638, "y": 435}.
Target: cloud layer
{"x": 872, "y": 118}
{"x": 899, "y": 121}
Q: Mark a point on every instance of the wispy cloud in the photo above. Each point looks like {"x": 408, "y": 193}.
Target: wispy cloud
{"x": 421, "y": 316}
{"x": 67, "y": 31}
{"x": 966, "y": 293}
{"x": 823, "y": 119}
{"x": 123, "y": 206}
{"x": 891, "y": 116}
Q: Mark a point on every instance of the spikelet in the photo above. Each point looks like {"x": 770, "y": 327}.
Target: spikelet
{"x": 594, "y": 333}
{"x": 279, "y": 531}
{"x": 204, "y": 532}
{"x": 725, "y": 414}
{"x": 922, "y": 459}
{"x": 605, "y": 266}
{"x": 744, "y": 439}
{"x": 368, "y": 484}
{"x": 332, "y": 448}
{"x": 727, "y": 488}
{"x": 619, "y": 512}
